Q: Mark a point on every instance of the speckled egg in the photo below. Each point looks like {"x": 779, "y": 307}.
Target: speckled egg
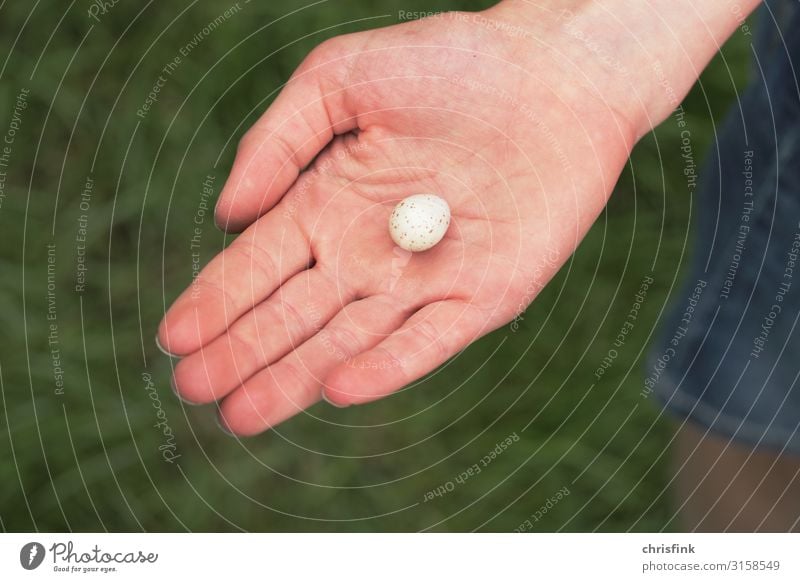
{"x": 419, "y": 222}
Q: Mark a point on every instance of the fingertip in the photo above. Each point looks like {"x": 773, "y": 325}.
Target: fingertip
{"x": 223, "y": 426}
{"x": 334, "y": 398}
{"x": 176, "y": 391}
{"x": 232, "y": 220}
{"x": 178, "y": 334}
{"x": 190, "y": 383}
{"x": 161, "y": 347}
{"x": 220, "y": 216}
{"x": 238, "y": 416}
{"x": 167, "y": 338}
{"x": 341, "y": 387}
{"x": 223, "y": 218}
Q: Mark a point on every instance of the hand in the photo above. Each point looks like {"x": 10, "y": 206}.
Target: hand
{"x": 314, "y": 298}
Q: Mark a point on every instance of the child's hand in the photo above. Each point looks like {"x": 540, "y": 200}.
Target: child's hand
{"x": 314, "y": 297}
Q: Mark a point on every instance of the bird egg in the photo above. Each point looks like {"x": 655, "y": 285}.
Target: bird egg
{"x": 419, "y": 222}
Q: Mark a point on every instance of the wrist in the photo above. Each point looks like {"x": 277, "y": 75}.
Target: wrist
{"x": 639, "y": 56}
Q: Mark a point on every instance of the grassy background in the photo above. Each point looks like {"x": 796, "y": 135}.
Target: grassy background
{"x": 89, "y": 459}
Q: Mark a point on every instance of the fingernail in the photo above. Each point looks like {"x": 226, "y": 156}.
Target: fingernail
{"x": 162, "y": 350}
{"x": 325, "y": 398}
{"x": 222, "y": 426}
{"x": 178, "y": 396}
{"x": 218, "y": 222}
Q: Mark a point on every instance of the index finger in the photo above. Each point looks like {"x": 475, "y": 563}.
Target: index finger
{"x": 268, "y": 253}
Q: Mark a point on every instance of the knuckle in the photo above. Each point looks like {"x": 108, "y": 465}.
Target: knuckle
{"x": 389, "y": 359}
{"x": 255, "y": 260}
{"x": 432, "y": 337}
{"x": 290, "y": 316}
{"x": 324, "y": 52}
{"x": 329, "y": 61}
{"x": 293, "y": 375}
{"x": 251, "y": 139}
{"x": 216, "y": 286}
{"x": 340, "y": 342}
{"x": 262, "y": 136}
{"x": 243, "y": 345}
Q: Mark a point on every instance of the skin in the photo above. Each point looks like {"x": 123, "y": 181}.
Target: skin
{"x": 509, "y": 114}
{"x": 722, "y": 486}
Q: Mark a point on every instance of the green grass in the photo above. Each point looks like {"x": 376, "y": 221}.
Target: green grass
{"x": 89, "y": 459}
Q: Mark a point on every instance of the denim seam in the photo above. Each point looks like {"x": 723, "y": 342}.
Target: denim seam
{"x": 681, "y": 402}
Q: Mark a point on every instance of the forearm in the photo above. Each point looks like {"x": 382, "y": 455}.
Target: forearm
{"x": 646, "y": 54}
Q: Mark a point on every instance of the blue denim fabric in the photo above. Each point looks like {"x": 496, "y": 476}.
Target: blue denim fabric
{"x": 729, "y": 353}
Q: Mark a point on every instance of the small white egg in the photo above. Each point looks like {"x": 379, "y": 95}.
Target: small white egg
{"x": 419, "y": 222}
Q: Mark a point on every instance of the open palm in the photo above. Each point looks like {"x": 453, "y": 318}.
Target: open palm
{"x": 314, "y": 298}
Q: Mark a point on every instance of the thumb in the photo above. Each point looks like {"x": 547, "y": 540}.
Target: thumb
{"x": 311, "y": 108}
